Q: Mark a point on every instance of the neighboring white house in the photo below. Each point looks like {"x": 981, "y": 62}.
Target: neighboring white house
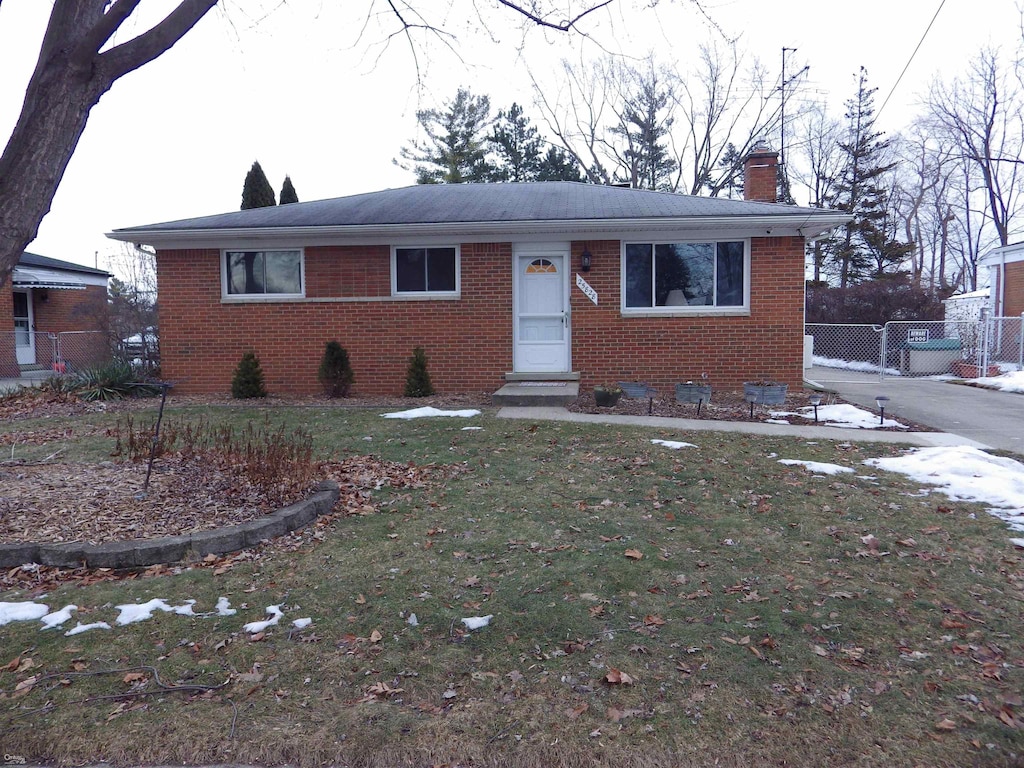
{"x": 966, "y": 307}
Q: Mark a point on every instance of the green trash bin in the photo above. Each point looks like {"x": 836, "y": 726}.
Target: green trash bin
{"x": 929, "y": 358}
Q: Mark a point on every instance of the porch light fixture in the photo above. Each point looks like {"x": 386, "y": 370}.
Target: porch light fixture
{"x": 585, "y": 258}
{"x": 881, "y": 401}
{"x": 815, "y": 400}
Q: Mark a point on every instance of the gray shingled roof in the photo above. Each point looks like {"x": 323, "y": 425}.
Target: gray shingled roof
{"x": 478, "y": 203}
{"x": 35, "y": 260}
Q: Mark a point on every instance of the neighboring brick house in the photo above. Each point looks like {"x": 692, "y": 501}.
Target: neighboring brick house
{"x": 547, "y": 280}
{"x": 46, "y": 297}
{"x": 1006, "y": 280}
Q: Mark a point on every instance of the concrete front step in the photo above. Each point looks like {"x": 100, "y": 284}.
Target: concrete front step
{"x": 537, "y": 392}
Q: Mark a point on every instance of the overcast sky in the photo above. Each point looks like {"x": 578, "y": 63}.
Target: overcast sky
{"x": 300, "y": 90}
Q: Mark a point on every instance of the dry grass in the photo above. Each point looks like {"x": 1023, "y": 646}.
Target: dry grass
{"x": 757, "y": 628}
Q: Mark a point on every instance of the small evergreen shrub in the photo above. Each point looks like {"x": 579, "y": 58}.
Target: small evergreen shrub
{"x": 335, "y": 371}
{"x": 417, "y": 378}
{"x": 248, "y": 379}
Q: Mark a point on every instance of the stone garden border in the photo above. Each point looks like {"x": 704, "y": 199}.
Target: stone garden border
{"x": 173, "y": 549}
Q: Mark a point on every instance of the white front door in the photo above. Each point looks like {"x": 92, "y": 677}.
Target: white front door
{"x": 541, "y": 312}
{"x": 24, "y": 339}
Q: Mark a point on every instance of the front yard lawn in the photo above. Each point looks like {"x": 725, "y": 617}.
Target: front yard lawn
{"x": 650, "y": 607}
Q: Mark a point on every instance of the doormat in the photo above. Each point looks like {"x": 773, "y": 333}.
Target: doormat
{"x": 541, "y": 383}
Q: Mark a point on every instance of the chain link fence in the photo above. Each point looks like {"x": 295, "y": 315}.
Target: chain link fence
{"x": 855, "y": 347}
{"x": 961, "y": 348}
{"x": 77, "y": 350}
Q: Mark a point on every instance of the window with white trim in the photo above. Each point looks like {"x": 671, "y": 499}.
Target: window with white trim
{"x": 263, "y": 273}
{"x": 425, "y": 270}
{"x": 680, "y": 276}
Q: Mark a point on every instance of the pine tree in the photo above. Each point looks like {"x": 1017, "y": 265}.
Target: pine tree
{"x": 516, "y": 144}
{"x": 864, "y": 247}
{"x": 455, "y": 149}
{"x": 645, "y": 124}
{"x": 558, "y": 165}
{"x": 248, "y": 378}
{"x": 417, "y": 378}
{"x": 288, "y": 194}
{"x": 257, "y": 192}
{"x": 335, "y": 372}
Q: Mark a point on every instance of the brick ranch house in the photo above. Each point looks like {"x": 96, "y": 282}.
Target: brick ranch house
{"x": 547, "y": 280}
{"x": 43, "y": 299}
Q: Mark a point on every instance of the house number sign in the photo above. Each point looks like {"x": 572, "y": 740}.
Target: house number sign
{"x": 587, "y": 288}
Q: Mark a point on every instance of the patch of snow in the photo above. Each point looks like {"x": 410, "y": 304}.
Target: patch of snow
{"x": 967, "y": 474}
{"x": 131, "y": 613}
{"x": 302, "y": 623}
{"x": 224, "y": 607}
{"x": 850, "y": 365}
{"x": 1008, "y": 382}
{"x": 470, "y": 429}
{"x": 79, "y": 628}
{"x": 258, "y": 626}
{"x": 427, "y": 411}
{"x": 674, "y": 445}
{"x": 476, "y": 622}
{"x": 818, "y": 467}
{"x": 1017, "y": 543}
{"x": 412, "y": 621}
{"x": 27, "y": 611}
{"x": 55, "y": 619}
{"x": 848, "y": 416}
{"x": 776, "y": 421}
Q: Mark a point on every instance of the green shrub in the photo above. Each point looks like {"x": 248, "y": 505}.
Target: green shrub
{"x": 248, "y": 379}
{"x": 335, "y": 371}
{"x": 417, "y": 378}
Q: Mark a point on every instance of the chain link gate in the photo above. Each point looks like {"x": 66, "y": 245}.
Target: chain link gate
{"x": 965, "y": 349}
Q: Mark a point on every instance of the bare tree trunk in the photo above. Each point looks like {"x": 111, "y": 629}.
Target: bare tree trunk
{"x": 70, "y": 77}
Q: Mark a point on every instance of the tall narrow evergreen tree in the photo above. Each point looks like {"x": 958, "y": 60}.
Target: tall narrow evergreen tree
{"x": 864, "y": 247}
{"x": 288, "y": 194}
{"x": 256, "y": 191}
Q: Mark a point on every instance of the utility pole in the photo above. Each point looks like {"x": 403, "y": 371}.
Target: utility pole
{"x": 783, "y": 172}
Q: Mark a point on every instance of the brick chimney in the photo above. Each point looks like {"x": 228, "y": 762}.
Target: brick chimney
{"x": 761, "y": 174}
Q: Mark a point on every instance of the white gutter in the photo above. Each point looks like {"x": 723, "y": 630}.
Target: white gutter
{"x": 778, "y": 225}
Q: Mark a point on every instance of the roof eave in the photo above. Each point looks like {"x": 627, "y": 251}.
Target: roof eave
{"x": 750, "y": 226}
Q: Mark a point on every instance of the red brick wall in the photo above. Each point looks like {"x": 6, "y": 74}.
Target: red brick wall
{"x": 8, "y": 362}
{"x": 664, "y": 351}
{"x": 1013, "y": 296}
{"x": 468, "y": 340}
{"x": 65, "y": 310}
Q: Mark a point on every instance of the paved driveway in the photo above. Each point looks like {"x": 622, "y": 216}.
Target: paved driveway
{"x": 993, "y": 418}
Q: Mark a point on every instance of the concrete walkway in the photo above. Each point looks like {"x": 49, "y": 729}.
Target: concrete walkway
{"x": 983, "y": 415}
{"x": 742, "y": 427}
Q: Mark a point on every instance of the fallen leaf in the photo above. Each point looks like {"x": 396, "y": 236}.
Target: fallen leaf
{"x": 945, "y": 725}
{"x": 819, "y": 650}
{"x": 948, "y": 623}
{"x": 634, "y": 554}
{"x": 25, "y": 686}
{"x": 617, "y": 677}
{"x": 575, "y": 712}
{"x": 361, "y": 600}
{"x": 134, "y": 677}
{"x": 376, "y": 636}
{"x": 654, "y": 620}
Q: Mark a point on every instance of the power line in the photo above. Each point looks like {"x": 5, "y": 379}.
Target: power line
{"x": 911, "y": 59}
